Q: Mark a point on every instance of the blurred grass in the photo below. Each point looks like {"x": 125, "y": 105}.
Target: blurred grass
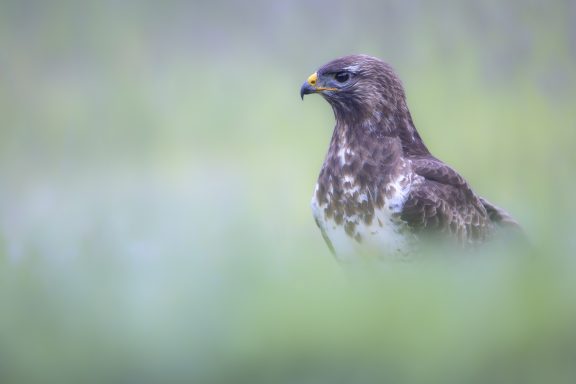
{"x": 156, "y": 166}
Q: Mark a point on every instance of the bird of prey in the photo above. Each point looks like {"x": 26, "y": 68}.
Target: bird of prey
{"x": 380, "y": 189}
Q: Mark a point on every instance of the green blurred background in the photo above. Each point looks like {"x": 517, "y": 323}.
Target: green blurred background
{"x": 156, "y": 167}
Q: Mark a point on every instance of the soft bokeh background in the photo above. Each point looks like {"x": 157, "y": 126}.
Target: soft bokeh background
{"x": 156, "y": 166}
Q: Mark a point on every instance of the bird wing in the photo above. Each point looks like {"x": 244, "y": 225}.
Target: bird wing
{"x": 498, "y": 215}
{"x": 325, "y": 236}
{"x": 444, "y": 203}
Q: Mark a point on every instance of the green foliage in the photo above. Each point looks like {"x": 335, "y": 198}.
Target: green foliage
{"x": 156, "y": 166}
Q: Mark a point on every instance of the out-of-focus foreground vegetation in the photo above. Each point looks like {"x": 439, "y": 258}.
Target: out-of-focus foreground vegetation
{"x": 156, "y": 165}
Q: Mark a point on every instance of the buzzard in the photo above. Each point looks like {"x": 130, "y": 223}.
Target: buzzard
{"x": 380, "y": 189}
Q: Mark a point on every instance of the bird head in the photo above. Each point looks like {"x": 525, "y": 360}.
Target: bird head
{"x": 357, "y": 87}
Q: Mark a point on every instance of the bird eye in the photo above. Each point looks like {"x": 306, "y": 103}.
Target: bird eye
{"x": 342, "y": 77}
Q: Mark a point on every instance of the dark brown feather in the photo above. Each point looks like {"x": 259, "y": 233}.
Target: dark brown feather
{"x": 374, "y": 145}
{"x": 444, "y": 203}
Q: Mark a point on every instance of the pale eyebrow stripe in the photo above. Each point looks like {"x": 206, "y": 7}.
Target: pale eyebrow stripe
{"x": 352, "y": 68}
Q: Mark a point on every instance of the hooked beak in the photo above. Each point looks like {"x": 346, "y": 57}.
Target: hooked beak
{"x": 311, "y": 86}
{"x": 306, "y": 89}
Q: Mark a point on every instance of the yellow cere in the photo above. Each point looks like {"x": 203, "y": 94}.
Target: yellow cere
{"x": 312, "y": 79}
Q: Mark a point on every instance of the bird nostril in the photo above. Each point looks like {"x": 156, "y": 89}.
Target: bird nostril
{"x": 312, "y": 79}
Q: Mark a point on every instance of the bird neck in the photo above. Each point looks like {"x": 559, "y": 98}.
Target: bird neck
{"x": 412, "y": 144}
{"x": 362, "y": 152}
{"x": 385, "y": 128}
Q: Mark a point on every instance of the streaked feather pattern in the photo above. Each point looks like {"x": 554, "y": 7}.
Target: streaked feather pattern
{"x": 379, "y": 189}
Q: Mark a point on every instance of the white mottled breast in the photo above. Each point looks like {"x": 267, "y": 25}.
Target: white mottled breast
{"x": 384, "y": 235}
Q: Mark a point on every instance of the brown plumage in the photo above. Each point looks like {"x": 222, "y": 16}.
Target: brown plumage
{"x": 379, "y": 187}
